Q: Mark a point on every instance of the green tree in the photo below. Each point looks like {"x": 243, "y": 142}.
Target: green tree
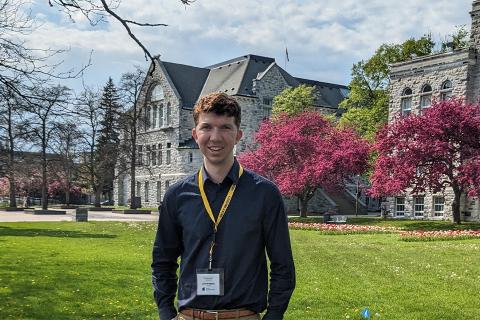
{"x": 108, "y": 141}
{"x": 292, "y": 101}
{"x": 367, "y": 103}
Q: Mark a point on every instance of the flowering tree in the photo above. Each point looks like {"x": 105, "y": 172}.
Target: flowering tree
{"x": 432, "y": 151}
{"x": 305, "y": 152}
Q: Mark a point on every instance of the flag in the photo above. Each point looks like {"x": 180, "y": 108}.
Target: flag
{"x": 286, "y": 54}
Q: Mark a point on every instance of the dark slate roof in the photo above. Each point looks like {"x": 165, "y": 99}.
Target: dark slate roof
{"x": 187, "y": 80}
{"x": 329, "y": 95}
{"x": 235, "y": 76}
{"x": 188, "y": 144}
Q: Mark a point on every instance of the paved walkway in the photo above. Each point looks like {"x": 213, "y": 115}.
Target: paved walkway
{"x": 19, "y": 216}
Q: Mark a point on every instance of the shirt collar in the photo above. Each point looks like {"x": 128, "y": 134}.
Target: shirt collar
{"x": 232, "y": 174}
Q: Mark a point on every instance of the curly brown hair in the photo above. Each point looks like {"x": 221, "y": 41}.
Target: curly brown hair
{"x": 220, "y": 104}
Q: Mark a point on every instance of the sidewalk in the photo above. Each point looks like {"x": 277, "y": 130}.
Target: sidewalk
{"x": 20, "y": 216}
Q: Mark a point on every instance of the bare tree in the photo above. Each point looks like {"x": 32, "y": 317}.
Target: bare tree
{"x": 88, "y": 114}
{"x": 66, "y": 143}
{"x": 22, "y": 68}
{"x": 12, "y": 131}
{"x": 46, "y": 110}
{"x": 130, "y": 87}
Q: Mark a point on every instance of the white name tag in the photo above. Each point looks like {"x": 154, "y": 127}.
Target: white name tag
{"x": 210, "y": 283}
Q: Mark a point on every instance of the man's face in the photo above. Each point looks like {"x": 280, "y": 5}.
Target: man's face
{"x": 216, "y": 136}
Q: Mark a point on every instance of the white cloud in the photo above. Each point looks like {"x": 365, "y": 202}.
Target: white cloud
{"x": 324, "y": 37}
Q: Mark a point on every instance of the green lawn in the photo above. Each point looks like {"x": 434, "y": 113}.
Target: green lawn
{"x": 101, "y": 270}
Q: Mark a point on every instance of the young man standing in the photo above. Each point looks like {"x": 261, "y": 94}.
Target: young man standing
{"x": 221, "y": 222}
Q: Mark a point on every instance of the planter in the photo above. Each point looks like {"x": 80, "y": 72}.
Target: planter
{"x": 80, "y": 215}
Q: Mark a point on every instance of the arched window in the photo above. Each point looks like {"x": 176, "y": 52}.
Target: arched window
{"x": 157, "y": 93}
{"x": 154, "y": 117}
{"x": 426, "y": 97}
{"x": 446, "y": 90}
{"x": 406, "y": 102}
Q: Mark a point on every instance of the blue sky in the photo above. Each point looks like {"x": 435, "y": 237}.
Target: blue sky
{"x": 324, "y": 37}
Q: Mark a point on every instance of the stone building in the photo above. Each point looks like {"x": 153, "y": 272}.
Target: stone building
{"x": 414, "y": 84}
{"x": 166, "y": 150}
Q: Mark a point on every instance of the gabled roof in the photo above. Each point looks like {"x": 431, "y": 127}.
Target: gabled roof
{"x": 187, "y": 80}
{"x": 235, "y": 77}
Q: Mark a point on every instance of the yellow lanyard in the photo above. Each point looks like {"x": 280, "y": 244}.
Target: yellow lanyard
{"x": 226, "y": 202}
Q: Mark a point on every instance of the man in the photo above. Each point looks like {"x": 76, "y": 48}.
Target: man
{"x": 220, "y": 221}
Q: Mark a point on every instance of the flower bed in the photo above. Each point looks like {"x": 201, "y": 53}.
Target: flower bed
{"x": 439, "y": 235}
{"x": 328, "y": 228}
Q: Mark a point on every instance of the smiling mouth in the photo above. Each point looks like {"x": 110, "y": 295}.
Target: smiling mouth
{"x": 215, "y": 149}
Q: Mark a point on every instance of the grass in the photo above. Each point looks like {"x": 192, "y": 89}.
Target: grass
{"x": 100, "y": 270}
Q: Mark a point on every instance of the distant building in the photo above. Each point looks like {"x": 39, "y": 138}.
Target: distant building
{"x": 413, "y": 85}
{"x": 166, "y": 149}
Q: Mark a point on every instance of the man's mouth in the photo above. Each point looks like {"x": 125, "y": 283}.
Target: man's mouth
{"x": 215, "y": 149}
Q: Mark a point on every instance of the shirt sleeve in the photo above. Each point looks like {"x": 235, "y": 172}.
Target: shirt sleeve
{"x": 166, "y": 250}
{"x": 282, "y": 269}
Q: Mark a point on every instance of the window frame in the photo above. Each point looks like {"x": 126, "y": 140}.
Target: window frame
{"x": 438, "y": 213}
{"x": 416, "y": 212}
{"x": 400, "y": 213}
{"x": 406, "y": 96}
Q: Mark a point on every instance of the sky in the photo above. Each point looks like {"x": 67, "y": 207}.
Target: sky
{"x": 324, "y": 37}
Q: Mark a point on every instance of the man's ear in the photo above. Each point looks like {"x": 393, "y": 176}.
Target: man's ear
{"x": 239, "y": 135}
{"x": 194, "y": 134}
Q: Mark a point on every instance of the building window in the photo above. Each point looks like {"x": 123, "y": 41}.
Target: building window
{"x": 154, "y": 155}
{"x": 159, "y": 191}
{"x": 419, "y": 206}
{"x": 154, "y": 117}
{"x": 406, "y": 102}
{"x": 139, "y": 155}
{"x": 267, "y": 101}
{"x": 438, "y": 206}
{"x": 147, "y": 118}
{"x": 138, "y": 189}
{"x": 400, "y": 206}
{"x": 267, "y": 111}
{"x": 147, "y": 160}
{"x": 168, "y": 116}
{"x": 160, "y": 115}
{"x": 167, "y": 185}
{"x": 426, "y": 97}
{"x": 169, "y": 153}
{"x": 146, "y": 191}
{"x": 157, "y": 93}
{"x": 159, "y": 154}
{"x": 190, "y": 157}
{"x": 446, "y": 90}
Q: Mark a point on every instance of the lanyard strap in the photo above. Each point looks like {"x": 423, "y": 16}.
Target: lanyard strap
{"x": 226, "y": 202}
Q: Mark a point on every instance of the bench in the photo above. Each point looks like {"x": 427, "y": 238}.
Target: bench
{"x": 337, "y": 219}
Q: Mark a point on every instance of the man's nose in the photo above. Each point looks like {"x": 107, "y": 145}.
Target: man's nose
{"x": 215, "y": 134}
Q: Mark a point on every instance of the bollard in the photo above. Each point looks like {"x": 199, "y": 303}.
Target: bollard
{"x": 81, "y": 214}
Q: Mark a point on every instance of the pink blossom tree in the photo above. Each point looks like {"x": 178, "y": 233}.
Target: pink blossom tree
{"x": 432, "y": 151}
{"x": 305, "y": 152}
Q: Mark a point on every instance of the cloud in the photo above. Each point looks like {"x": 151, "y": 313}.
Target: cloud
{"x": 324, "y": 37}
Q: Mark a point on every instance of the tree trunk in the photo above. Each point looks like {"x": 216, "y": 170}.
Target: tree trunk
{"x": 456, "y": 205}
{"x": 44, "y": 179}
{"x": 303, "y": 206}
{"x": 67, "y": 197}
{"x": 98, "y": 194}
{"x": 13, "y": 195}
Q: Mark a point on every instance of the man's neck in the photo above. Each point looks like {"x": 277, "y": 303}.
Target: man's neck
{"x": 217, "y": 173}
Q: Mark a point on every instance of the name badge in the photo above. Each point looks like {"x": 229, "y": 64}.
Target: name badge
{"x": 210, "y": 282}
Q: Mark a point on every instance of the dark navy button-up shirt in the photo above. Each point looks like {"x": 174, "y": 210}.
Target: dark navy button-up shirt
{"x": 255, "y": 223}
